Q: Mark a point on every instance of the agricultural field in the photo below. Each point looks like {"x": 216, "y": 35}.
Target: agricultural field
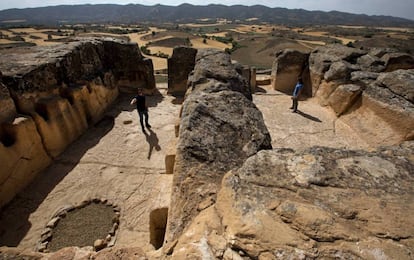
{"x": 251, "y": 44}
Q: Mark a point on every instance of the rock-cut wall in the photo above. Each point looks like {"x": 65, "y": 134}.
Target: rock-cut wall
{"x": 220, "y": 127}
{"x": 233, "y": 198}
{"x": 49, "y": 96}
{"x": 368, "y": 89}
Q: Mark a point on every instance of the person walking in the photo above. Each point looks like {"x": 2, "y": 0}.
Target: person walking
{"x": 142, "y": 108}
{"x": 296, "y": 93}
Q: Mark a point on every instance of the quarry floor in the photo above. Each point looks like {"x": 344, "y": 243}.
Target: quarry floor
{"x": 114, "y": 160}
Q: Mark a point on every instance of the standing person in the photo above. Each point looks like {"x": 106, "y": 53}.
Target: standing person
{"x": 296, "y": 93}
{"x": 142, "y": 108}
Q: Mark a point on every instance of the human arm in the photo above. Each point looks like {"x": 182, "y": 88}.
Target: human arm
{"x": 133, "y": 101}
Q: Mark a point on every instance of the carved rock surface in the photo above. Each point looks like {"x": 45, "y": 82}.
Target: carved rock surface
{"x": 319, "y": 203}
{"x": 180, "y": 65}
{"x": 60, "y": 90}
{"x": 343, "y": 98}
{"x": 287, "y": 67}
{"x": 220, "y": 128}
{"x": 321, "y": 59}
{"x": 22, "y": 156}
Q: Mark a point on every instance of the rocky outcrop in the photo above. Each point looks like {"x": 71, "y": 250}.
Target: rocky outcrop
{"x": 220, "y": 127}
{"x": 49, "y": 96}
{"x": 7, "y": 108}
{"x": 321, "y": 59}
{"x": 397, "y": 61}
{"x": 180, "y": 65}
{"x": 288, "y": 66}
{"x": 369, "y": 89}
{"x": 319, "y": 203}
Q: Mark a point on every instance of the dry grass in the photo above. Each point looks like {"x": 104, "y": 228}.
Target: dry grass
{"x": 198, "y": 44}
{"x": 5, "y": 41}
{"x": 196, "y": 25}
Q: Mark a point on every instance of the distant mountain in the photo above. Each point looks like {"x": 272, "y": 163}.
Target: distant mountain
{"x": 134, "y": 13}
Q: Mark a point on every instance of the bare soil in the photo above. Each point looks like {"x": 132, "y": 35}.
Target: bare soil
{"x": 81, "y": 227}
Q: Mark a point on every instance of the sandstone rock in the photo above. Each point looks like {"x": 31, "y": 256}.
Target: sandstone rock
{"x": 231, "y": 255}
{"x": 396, "y": 61}
{"x": 69, "y": 253}
{"x": 180, "y": 65}
{"x": 263, "y": 80}
{"x": 99, "y": 244}
{"x": 22, "y": 156}
{"x": 130, "y": 69}
{"x": 400, "y": 82}
{"x": 324, "y": 196}
{"x": 7, "y": 107}
{"x": 394, "y": 110}
{"x": 215, "y": 65}
{"x": 339, "y": 71}
{"x": 220, "y": 127}
{"x": 253, "y": 83}
{"x": 120, "y": 253}
{"x": 344, "y": 97}
{"x": 380, "y": 52}
{"x": 65, "y": 89}
{"x": 363, "y": 77}
{"x": 170, "y": 157}
{"x": 287, "y": 67}
{"x": 245, "y": 72}
{"x": 14, "y": 253}
{"x": 321, "y": 59}
{"x": 53, "y": 222}
{"x": 371, "y": 63}
{"x": 203, "y": 238}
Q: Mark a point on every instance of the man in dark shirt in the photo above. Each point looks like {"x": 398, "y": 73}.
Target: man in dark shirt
{"x": 142, "y": 109}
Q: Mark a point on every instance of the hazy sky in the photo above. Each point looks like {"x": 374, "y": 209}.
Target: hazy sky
{"x": 399, "y": 8}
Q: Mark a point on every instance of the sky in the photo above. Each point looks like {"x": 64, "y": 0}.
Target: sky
{"x": 398, "y": 8}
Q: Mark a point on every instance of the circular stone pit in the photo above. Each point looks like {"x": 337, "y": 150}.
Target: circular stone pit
{"x": 93, "y": 223}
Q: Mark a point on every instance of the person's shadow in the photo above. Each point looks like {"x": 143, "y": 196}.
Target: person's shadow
{"x": 152, "y": 140}
{"x": 309, "y": 116}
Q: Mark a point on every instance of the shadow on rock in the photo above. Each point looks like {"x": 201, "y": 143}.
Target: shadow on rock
{"x": 15, "y": 216}
{"x": 309, "y": 116}
{"x": 152, "y": 140}
{"x": 260, "y": 90}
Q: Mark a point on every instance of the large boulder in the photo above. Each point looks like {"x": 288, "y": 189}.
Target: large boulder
{"x": 370, "y": 62}
{"x": 215, "y": 65}
{"x": 180, "y": 65}
{"x": 220, "y": 127}
{"x": 321, "y": 59}
{"x": 344, "y": 97}
{"x": 395, "y": 61}
{"x": 287, "y": 67}
{"x": 399, "y": 82}
{"x": 319, "y": 203}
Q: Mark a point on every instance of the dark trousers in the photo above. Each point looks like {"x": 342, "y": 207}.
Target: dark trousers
{"x": 143, "y": 114}
{"x": 295, "y": 104}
